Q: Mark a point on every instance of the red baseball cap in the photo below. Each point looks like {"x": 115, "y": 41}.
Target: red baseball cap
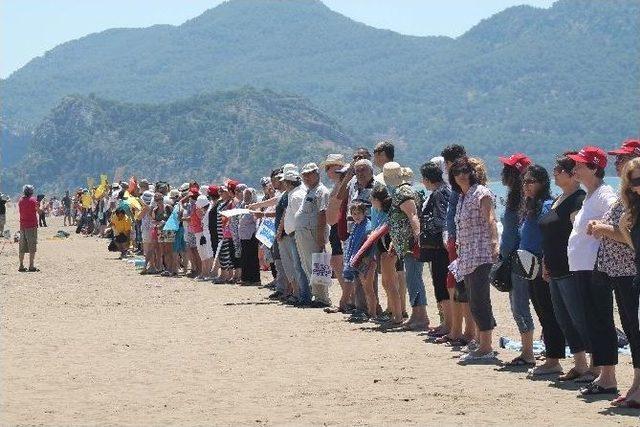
{"x": 518, "y": 161}
{"x": 232, "y": 184}
{"x": 629, "y": 147}
{"x": 214, "y": 191}
{"x": 590, "y": 155}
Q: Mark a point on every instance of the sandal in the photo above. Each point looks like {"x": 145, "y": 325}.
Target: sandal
{"x": 572, "y": 374}
{"x": 593, "y": 389}
{"x": 518, "y": 362}
{"x": 542, "y": 370}
{"x": 33, "y": 269}
{"x": 587, "y": 377}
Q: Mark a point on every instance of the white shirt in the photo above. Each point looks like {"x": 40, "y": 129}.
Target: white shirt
{"x": 582, "y": 249}
{"x": 296, "y": 197}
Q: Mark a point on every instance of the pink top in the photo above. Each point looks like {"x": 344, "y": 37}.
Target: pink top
{"x": 195, "y": 222}
{"x": 473, "y": 231}
{"x": 28, "y": 208}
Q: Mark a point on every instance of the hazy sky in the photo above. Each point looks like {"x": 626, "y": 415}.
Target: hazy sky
{"x": 28, "y": 28}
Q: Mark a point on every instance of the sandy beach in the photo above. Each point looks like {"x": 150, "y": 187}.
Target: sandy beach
{"x": 89, "y": 341}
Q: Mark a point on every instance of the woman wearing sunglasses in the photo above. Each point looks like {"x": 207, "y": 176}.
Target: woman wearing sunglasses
{"x": 615, "y": 269}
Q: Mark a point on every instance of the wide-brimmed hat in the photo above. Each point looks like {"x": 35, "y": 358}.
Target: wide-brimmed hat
{"x": 174, "y": 194}
{"x": 308, "y": 168}
{"x": 333, "y": 160}
{"x": 202, "y": 201}
{"x": 184, "y": 187}
{"x": 291, "y": 175}
{"x": 147, "y": 197}
{"x": 394, "y": 174}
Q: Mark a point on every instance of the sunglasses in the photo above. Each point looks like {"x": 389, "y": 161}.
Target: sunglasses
{"x": 634, "y": 182}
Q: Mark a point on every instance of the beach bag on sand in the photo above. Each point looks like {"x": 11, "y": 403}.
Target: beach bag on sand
{"x": 321, "y": 269}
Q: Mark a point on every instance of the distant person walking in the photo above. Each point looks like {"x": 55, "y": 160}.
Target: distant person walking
{"x": 28, "y": 209}
{"x": 3, "y": 212}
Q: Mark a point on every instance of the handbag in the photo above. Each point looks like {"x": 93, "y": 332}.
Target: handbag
{"x": 526, "y": 265}
{"x": 500, "y": 274}
{"x": 112, "y": 246}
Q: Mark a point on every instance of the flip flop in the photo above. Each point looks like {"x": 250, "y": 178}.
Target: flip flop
{"x": 572, "y": 374}
{"x": 518, "y": 362}
{"x": 593, "y": 389}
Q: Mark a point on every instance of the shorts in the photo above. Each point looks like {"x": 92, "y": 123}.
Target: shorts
{"x": 334, "y": 241}
{"x": 28, "y": 240}
{"x": 167, "y": 236}
{"x": 205, "y": 251}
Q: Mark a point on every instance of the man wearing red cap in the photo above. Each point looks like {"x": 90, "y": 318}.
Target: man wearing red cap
{"x": 582, "y": 252}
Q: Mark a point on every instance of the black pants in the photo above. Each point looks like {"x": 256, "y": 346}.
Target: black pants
{"x": 249, "y": 260}
{"x": 598, "y": 310}
{"x": 627, "y": 295}
{"x": 554, "y": 341}
{"x": 439, "y": 271}
{"x": 42, "y": 222}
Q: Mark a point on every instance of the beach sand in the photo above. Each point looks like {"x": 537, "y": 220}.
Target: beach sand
{"x": 88, "y": 341}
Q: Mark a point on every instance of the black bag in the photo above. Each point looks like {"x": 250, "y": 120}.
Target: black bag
{"x": 500, "y": 274}
{"x": 112, "y": 246}
{"x": 121, "y": 238}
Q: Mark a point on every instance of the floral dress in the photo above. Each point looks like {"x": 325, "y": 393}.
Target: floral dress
{"x": 399, "y": 225}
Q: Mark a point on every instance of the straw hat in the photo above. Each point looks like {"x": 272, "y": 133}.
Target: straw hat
{"x": 394, "y": 174}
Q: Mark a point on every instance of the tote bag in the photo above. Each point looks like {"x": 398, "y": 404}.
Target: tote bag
{"x": 321, "y": 269}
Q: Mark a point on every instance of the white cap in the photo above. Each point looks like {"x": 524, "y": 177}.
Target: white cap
{"x": 308, "y": 168}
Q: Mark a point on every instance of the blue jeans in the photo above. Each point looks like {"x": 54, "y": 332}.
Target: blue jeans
{"x": 519, "y": 300}
{"x": 415, "y": 284}
{"x": 568, "y": 307}
{"x": 288, "y": 243}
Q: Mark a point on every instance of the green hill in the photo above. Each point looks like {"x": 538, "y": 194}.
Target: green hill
{"x": 539, "y": 80}
{"x": 241, "y": 134}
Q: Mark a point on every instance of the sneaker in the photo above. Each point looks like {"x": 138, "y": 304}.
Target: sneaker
{"x": 319, "y": 304}
{"x": 474, "y": 357}
{"x": 358, "y": 317}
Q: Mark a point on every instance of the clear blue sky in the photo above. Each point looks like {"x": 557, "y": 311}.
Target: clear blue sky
{"x": 28, "y": 28}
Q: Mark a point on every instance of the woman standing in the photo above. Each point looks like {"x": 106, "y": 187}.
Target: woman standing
{"x": 513, "y": 169}
{"x": 556, "y": 226}
{"x": 247, "y": 227}
{"x": 628, "y": 299}
{"x": 477, "y": 239}
{"x": 404, "y": 228}
{"x": 582, "y": 251}
{"x": 615, "y": 269}
{"x": 433, "y": 218}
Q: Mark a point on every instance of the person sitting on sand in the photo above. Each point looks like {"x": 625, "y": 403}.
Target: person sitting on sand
{"x": 121, "y": 226}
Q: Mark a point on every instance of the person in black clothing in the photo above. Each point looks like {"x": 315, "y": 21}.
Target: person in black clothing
{"x": 556, "y": 226}
{"x": 213, "y": 192}
{"x": 3, "y": 211}
{"x": 433, "y": 220}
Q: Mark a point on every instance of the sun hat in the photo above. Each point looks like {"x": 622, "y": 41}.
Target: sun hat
{"x": 333, "y": 160}
{"x": 308, "y": 168}
{"x": 174, "y": 194}
{"x": 394, "y": 174}
{"x": 115, "y": 185}
{"x": 629, "y": 147}
{"x": 592, "y": 156}
{"x": 202, "y": 201}
{"x": 291, "y": 175}
{"x": 184, "y": 187}
{"x": 518, "y": 160}
{"x": 147, "y": 197}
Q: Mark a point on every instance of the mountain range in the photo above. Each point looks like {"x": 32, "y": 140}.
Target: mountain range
{"x": 526, "y": 79}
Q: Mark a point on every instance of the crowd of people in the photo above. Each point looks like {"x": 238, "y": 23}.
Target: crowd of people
{"x": 567, "y": 255}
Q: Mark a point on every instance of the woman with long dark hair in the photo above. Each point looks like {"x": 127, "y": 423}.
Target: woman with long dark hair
{"x": 537, "y": 202}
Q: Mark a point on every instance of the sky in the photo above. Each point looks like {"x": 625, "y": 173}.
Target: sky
{"x": 28, "y": 28}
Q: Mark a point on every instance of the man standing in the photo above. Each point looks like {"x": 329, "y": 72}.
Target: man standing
{"x": 66, "y": 206}
{"x": 312, "y": 231}
{"x": 28, "y": 209}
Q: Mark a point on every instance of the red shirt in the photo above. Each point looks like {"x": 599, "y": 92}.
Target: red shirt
{"x": 28, "y": 208}
{"x": 195, "y": 222}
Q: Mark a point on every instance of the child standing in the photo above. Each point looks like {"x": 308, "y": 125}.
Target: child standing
{"x": 365, "y": 268}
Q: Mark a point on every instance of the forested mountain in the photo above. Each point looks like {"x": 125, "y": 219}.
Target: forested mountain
{"x": 241, "y": 134}
{"x": 540, "y": 80}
